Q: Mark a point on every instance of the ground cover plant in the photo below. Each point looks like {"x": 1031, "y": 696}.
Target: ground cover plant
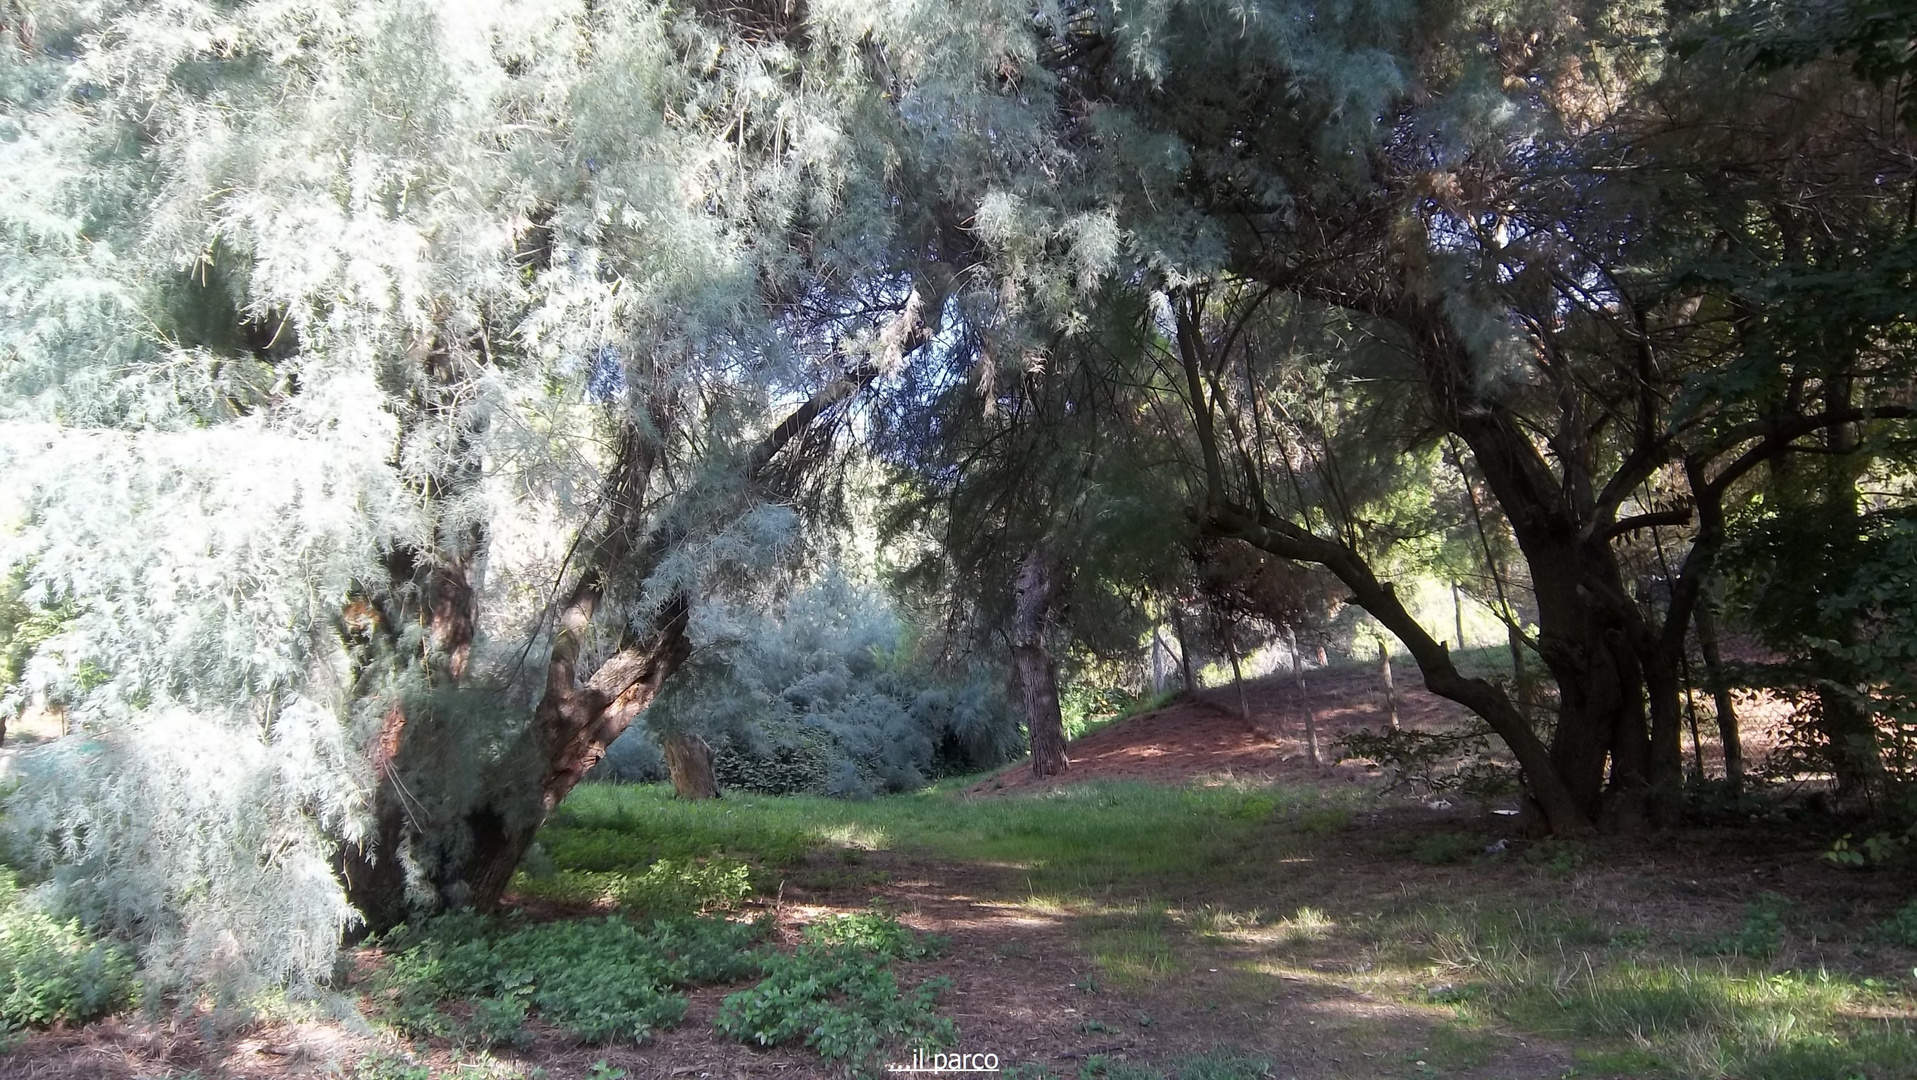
{"x": 1225, "y": 874}
{"x": 53, "y": 971}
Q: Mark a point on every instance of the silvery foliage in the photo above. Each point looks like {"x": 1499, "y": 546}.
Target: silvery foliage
{"x": 236, "y": 233}
{"x": 832, "y": 663}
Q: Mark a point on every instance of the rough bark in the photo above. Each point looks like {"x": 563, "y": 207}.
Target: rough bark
{"x": 1036, "y": 589}
{"x": 1727, "y": 733}
{"x": 468, "y": 858}
{"x": 689, "y": 760}
{"x": 1304, "y": 697}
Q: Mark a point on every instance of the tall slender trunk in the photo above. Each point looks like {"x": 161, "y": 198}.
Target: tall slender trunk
{"x": 1457, "y": 612}
{"x": 1849, "y": 729}
{"x": 1304, "y": 697}
{"x": 1390, "y": 691}
{"x": 1727, "y": 732}
{"x": 1184, "y": 651}
{"x": 1238, "y": 678}
{"x": 1037, "y": 587}
{"x": 1520, "y": 676}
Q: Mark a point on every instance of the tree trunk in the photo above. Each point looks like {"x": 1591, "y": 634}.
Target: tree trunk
{"x": 459, "y": 844}
{"x": 1037, "y": 587}
{"x": 1238, "y": 678}
{"x": 1184, "y": 651}
{"x": 1849, "y": 729}
{"x": 689, "y": 761}
{"x": 1390, "y": 691}
{"x": 1666, "y": 775}
{"x": 1520, "y": 676}
{"x": 1457, "y": 612}
{"x": 1304, "y": 697}
{"x": 1727, "y": 732}
{"x": 1158, "y": 661}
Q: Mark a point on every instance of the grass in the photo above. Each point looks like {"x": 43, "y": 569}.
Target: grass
{"x": 1156, "y": 881}
{"x": 1082, "y": 841}
{"x": 1194, "y": 904}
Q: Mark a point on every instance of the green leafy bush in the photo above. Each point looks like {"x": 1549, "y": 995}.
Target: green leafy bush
{"x": 820, "y": 691}
{"x": 602, "y": 980}
{"x": 1901, "y": 928}
{"x": 838, "y": 994}
{"x": 52, "y": 970}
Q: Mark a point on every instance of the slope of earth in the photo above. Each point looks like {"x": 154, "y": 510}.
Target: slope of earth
{"x": 1205, "y": 735}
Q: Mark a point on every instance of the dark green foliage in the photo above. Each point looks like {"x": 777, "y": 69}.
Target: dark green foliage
{"x": 1805, "y": 585}
{"x": 52, "y": 971}
{"x": 838, "y": 995}
{"x": 1901, "y": 928}
{"x": 602, "y": 980}
{"x": 1446, "y": 847}
{"x": 793, "y": 766}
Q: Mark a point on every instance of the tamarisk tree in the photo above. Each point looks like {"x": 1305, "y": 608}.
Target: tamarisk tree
{"x": 388, "y": 388}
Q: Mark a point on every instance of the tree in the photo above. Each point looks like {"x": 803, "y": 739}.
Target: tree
{"x": 387, "y": 398}
{"x": 1535, "y": 231}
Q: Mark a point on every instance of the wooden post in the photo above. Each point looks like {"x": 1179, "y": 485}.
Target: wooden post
{"x": 1391, "y": 692}
{"x": 1304, "y": 700}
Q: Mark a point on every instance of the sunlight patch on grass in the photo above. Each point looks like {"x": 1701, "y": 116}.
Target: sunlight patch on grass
{"x": 1132, "y": 944}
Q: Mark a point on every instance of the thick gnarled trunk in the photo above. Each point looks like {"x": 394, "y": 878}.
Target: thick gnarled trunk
{"x": 689, "y": 762}
{"x": 450, "y": 833}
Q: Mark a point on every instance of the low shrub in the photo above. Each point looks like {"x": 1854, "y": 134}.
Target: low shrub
{"x": 838, "y": 995}
{"x": 52, "y": 971}
{"x": 602, "y": 980}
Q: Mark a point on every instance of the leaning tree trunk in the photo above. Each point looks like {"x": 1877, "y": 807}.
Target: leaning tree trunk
{"x": 1037, "y": 672}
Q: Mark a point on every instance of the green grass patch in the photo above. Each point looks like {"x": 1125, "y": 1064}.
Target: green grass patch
{"x": 1564, "y": 976}
{"x": 1081, "y": 840}
{"x": 1440, "y": 849}
{"x": 1133, "y": 945}
{"x": 666, "y": 888}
